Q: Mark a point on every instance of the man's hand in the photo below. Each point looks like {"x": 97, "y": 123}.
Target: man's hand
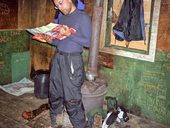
{"x": 65, "y": 31}
{"x": 44, "y": 38}
{"x": 48, "y": 38}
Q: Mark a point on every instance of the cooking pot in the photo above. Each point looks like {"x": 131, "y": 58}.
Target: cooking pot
{"x": 41, "y": 83}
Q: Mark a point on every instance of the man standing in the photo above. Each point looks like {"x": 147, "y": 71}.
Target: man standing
{"x": 67, "y": 69}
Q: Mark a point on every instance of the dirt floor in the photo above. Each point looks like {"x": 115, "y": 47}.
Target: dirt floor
{"x": 11, "y": 108}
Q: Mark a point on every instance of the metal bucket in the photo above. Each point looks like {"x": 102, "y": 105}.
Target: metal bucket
{"x": 93, "y": 95}
{"x": 93, "y": 101}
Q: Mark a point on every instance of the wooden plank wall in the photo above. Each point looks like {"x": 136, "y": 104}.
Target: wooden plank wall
{"x": 42, "y": 13}
{"x": 22, "y": 14}
{"x": 8, "y": 14}
{"x": 163, "y": 40}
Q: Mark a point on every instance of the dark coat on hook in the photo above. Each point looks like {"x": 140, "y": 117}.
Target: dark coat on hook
{"x": 130, "y": 25}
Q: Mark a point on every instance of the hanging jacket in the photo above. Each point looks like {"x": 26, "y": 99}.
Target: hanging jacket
{"x": 130, "y": 25}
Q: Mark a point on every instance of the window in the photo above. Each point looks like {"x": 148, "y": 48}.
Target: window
{"x": 143, "y": 50}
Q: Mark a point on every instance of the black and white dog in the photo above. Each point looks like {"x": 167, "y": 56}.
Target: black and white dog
{"x": 120, "y": 115}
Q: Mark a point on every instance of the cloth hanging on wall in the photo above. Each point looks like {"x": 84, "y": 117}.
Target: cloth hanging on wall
{"x": 130, "y": 25}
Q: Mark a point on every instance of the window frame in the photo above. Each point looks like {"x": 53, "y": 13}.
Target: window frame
{"x": 150, "y": 55}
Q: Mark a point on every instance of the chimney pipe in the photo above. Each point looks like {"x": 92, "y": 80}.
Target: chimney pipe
{"x": 92, "y": 72}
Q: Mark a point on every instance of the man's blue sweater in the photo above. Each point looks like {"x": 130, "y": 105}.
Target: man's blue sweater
{"x": 81, "y": 22}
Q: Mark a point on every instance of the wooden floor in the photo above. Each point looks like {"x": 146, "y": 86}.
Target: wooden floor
{"x": 11, "y": 108}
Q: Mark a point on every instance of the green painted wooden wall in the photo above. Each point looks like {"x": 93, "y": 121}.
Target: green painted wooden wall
{"x": 14, "y": 55}
{"x": 142, "y": 87}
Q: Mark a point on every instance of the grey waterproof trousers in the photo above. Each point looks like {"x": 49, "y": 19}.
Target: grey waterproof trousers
{"x": 66, "y": 78}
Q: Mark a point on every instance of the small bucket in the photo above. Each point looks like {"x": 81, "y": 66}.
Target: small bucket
{"x": 41, "y": 84}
